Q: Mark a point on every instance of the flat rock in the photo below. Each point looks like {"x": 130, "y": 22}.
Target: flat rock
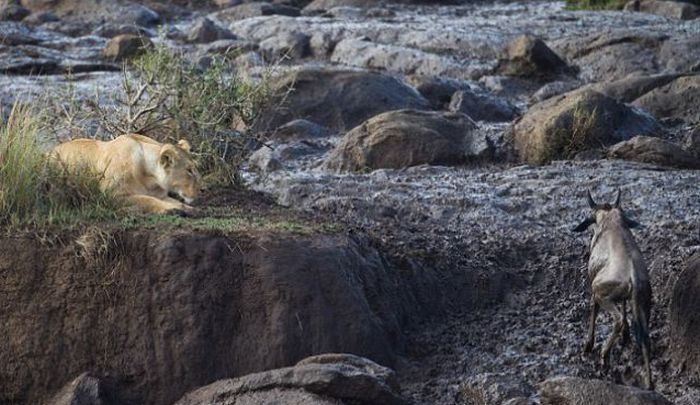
{"x": 335, "y": 378}
{"x": 678, "y": 99}
{"x": 657, "y": 151}
{"x": 338, "y": 99}
{"x": 579, "y": 391}
{"x": 405, "y": 138}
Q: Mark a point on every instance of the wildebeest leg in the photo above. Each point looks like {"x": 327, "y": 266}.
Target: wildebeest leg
{"x": 647, "y": 366}
{"x": 625, "y": 325}
{"x": 588, "y": 347}
{"x": 617, "y": 330}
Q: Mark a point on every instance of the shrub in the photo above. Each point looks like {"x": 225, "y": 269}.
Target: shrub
{"x": 168, "y": 98}
{"x": 36, "y": 190}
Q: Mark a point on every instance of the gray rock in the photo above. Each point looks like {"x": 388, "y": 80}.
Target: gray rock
{"x": 404, "y": 138}
{"x": 438, "y": 90}
{"x": 527, "y": 56}
{"x": 111, "y": 30}
{"x": 139, "y": 15}
{"x": 681, "y": 54}
{"x": 678, "y": 99}
{"x": 562, "y": 126}
{"x": 257, "y": 9}
{"x": 692, "y": 141}
{"x": 84, "y": 390}
{"x": 552, "y": 89}
{"x": 125, "y": 46}
{"x": 493, "y": 388}
{"x": 654, "y": 150}
{"x": 666, "y": 8}
{"x": 229, "y": 47}
{"x": 291, "y": 45}
{"x": 13, "y": 12}
{"x": 685, "y": 318}
{"x": 579, "y": 391}
{"x": 205, "y": 31}
{"x": 340, "y": 377}
{"x": 371, "y": 55}
{"x": 318, "y": 5}
{"x": 482, "y": 107}
{"x": 300, "y": 129}
{"x": 269, "y": 159}
{"x": 41, "y": 18}
{"x": 340, "y": 99}
{"x": 510, "y": 87}
{"x": 630, "y": 88}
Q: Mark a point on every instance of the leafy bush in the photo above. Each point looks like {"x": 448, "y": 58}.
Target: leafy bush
{"x": 168, "y": 98}
{"x": 37, "y": 190}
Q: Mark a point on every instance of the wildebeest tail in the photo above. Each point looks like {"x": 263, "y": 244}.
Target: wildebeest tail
{"x": 641, "y": 311}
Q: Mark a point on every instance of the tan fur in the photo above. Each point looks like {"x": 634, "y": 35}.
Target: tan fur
{"x": 139, "y": 169}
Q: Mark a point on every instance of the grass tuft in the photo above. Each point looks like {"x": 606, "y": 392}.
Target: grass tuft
{"x": 35, "y": 190}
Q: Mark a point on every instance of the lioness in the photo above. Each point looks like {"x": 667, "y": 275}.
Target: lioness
{"x": 141, "y": 170}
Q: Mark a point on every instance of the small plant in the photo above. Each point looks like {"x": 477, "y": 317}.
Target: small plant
{"x": 37, "y": 190}
{"x": 574, "y": 133}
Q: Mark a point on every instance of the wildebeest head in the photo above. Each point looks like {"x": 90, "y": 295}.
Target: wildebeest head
{"x": 601, "y": 212}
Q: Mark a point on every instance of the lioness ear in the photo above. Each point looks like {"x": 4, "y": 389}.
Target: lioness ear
{"x": 184, "y": 145}
{"x": 167, "y": 156}
{"x": 584, "y": 225}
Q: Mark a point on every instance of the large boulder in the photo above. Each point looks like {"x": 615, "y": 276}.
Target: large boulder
{"x": 404, "y": 138}
{"x": 579, "y": 391}
{"x": 204, "y": 31}
{"x": 678, "y": 99}
{"x": 527, "y": 56}
{"x": 337, "y": 99}
{"x": 562, "y": 126}
{"x": 323, "y": 379}
{"x": 657, "y": 151}
{"x": 169, "y": 312}
{"x": 289, "y": 45}
{"x": 666, "y": 8}
{"x": 685, "y": 318}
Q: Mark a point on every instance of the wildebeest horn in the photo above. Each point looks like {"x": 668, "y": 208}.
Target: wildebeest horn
{"x": 591, "y": 203}
{"x": 617, "y": 199}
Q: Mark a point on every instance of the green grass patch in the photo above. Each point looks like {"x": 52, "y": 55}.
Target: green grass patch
{"x": 35, "y": 190}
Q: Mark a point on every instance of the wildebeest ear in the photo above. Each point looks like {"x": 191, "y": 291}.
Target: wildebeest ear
{"x": 630, "y": 223}
{"x": 584, "y": 225}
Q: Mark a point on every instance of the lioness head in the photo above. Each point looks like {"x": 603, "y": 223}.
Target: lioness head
{"x": 180, "y": 171}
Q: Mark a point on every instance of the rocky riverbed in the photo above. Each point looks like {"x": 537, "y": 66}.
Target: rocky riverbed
{"x": 435, "y": 132}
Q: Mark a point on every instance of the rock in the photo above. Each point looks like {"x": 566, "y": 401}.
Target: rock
{"x": 234, "y": 47}
{"x": 510, "y": 87}
{"x": 685, "y": 318}
{"x": 215, "y": 306}
{"x": 340, "y": 99}
{"x": 561, "y": 126}
{"x": 631, "y": 88}
{"x": 250, "y": 10}
{"x": 322, "y": 5}
{"x": 13, "y": 12}
{"x": 493, "y": 389}
{"x": 482, "y": 107}
{"x": 41, "y": 18}
{"x": 552, "y": 89}
{"x": 86, "y": 389}
{"x": 681, "y": 55}
{"x": 300, "y": 129}
{"x": 270, "y": 159}
{"x": 614, "y": 55}
{"x": 692, "y": 141}
{"x": 527, "y": 56}
{"x": 654, "y": 150}
{"x": 125, "y": 46}
{"x": 438, "y": 90}
{"x": 666, "y": 8}
{"x": 579, "y": 391}
{"x": 111, "y": 30}
{"x": 340, "y": 377}
{"x": 291, "y": 45}
{"x": 370, "y": 55}
{"x": 691, "y": 398}
{"x": 139, "y": 15}
{"x": 205, "y": 31}
{"x": 404, "y": 138}
{"x": 678, "y": 99}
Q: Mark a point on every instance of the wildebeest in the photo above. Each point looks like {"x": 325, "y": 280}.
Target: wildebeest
{"x": 618, "y": 276}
